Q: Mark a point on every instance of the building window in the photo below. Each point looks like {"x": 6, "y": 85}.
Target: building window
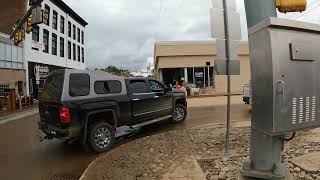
{"x": 54, "y": 20}
{"x": 79, "y": 53}
{"x": 4, "y": 89}
{"x": 61, "y": 47}
{"x": 69, "y": 50}
{"x": 62, "y": 24}
{"x": 82, "y": 54}
{"x": 74, "y": 32}
{"x": 46, "y": 41}
{"x": 74, "y": 52}
{"x": 54, "y": 44}
{"x": 78, "y": 34}
{"x": 35, "y": 33}
{"x": 46, "y": 15}
{"x": 69, "y": 29}
{"x": 82, "y": 37}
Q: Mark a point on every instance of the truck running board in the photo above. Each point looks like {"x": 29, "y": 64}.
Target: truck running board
{"x": 150, "y": 122}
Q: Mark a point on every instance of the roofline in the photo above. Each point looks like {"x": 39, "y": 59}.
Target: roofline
{"x": 189, "y": 42}
{"x": 68, "y": 10}
{"x": 192, "y": 42}
{"x": 184, "y": 42}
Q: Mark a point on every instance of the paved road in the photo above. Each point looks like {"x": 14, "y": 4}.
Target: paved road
{"x": 23, "y": 156}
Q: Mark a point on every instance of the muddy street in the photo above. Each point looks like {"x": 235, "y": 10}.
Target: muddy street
{"x": 23, "y": 156}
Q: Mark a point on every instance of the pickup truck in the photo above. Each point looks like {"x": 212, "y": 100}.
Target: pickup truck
{"x": 89, "y": 106}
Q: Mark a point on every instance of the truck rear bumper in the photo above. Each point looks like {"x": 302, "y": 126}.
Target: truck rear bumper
{"x": 53, "y": 131}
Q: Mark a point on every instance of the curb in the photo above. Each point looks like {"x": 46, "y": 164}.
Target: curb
{"x": 19, "y": 115}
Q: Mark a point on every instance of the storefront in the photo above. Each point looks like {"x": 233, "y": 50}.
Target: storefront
{"x": 192, "y": 64}
{"x": 36, "y": 86}
{"x": 197, "y": 76}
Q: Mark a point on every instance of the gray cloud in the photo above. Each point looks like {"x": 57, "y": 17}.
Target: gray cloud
{"x": 123, "y": 32}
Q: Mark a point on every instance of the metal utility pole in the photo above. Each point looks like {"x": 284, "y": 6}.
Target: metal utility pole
{"x": 265, "y": 150}
{"x": 258, "y": 10}
{"x": 227, "y": 47}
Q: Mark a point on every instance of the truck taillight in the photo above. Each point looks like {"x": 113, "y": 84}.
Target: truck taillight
{"x": 65, "y": 115}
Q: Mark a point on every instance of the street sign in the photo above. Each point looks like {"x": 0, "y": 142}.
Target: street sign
{"x": 221, "y": 67}
{"x": 37, "y": 45}
{"x": 37, "y": 72}
{"x": 37, "y": 16}
{"x": 217, "y": 24}
{"x": 225, "y": 25}
{"x": 232, "y": 5}
{"x": 221, "y": 49}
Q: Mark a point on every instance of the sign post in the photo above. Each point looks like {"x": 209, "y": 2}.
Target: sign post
{"x": 225, "y": 27}
{"x": 37, "y": 74}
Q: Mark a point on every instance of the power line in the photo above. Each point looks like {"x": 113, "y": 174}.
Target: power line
{"x": 306, "y": 12}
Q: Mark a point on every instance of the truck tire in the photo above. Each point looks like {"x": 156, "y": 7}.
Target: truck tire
{"x": 179, "y": 113}
{"x": 100, "y": 137}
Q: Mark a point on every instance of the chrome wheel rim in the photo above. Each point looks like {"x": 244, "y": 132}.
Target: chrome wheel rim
{"x": 179, "y": 113}
{"x": 102, "y": 137}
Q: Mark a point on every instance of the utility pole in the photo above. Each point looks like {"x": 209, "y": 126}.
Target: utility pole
{"x": 265, "y": 150}
{"x": 266, "y": 158}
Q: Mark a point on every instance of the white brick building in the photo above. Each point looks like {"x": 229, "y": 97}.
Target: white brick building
{"x": 57, "y": 43}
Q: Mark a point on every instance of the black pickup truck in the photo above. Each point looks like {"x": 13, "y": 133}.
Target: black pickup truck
{"x": 89, "y": 106}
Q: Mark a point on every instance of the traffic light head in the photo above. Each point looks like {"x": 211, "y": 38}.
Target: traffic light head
{"x": 16, "y": 38}
{"x": 291, "y": 5}
{"x": 29, "y": 25}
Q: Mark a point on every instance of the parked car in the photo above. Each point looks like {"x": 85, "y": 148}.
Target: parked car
{"x": 89, "y": 105}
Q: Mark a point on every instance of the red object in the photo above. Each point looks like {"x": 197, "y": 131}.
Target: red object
{"x": 65, "y": 115}
{"x": 177, "y": 85}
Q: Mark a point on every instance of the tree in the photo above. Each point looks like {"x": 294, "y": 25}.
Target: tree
{"x": 112, "y": 69}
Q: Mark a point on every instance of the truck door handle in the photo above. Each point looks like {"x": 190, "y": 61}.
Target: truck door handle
{"x": 156, "y": 97}
{"x": 135, "y": 99}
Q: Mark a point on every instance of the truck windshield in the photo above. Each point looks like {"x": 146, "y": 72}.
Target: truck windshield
{"x": 53, "y": 87}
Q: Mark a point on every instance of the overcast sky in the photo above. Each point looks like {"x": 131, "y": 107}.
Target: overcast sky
{"x": 122, "y": 32}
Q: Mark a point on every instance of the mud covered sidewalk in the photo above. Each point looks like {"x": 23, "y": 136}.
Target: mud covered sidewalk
{"x": 154, "y": 156}
{"x": 192, "y": 154}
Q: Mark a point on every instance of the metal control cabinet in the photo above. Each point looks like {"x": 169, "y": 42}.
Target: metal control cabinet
{"x": 285, "y": 65}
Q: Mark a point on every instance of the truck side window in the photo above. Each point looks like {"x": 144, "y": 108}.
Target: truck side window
{"x": 138, "y": 86}
{"x": 79, "y": 85}
{"x": 107, "y": 87}
{"x": 155, "y": 85}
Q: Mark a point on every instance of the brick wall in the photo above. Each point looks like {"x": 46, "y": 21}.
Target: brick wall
{"x": 10, "y": 12}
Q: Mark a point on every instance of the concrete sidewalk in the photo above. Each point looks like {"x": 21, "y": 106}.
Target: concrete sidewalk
{"x": 19, "y": 115}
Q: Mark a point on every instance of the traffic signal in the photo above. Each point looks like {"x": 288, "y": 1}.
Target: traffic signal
{"x": 16, "y": 38}
{"x": 29, "y": 25}
{"x": 23, "y": 35}
{"x": 20, "y": 36}
{"x": 291, "y": 5}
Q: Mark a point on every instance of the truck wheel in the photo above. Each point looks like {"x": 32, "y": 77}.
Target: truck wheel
{"x": 100, "y": 137}
{"x": 179, "y": 114}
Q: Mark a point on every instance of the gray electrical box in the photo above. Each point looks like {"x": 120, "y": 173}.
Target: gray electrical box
{"x": 285, "y": 63}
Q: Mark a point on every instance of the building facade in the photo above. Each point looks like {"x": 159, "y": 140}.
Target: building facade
{"x": 12, "y": 73}
{"x": 57, "y": 43}
{"x": 192, "y": 62}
